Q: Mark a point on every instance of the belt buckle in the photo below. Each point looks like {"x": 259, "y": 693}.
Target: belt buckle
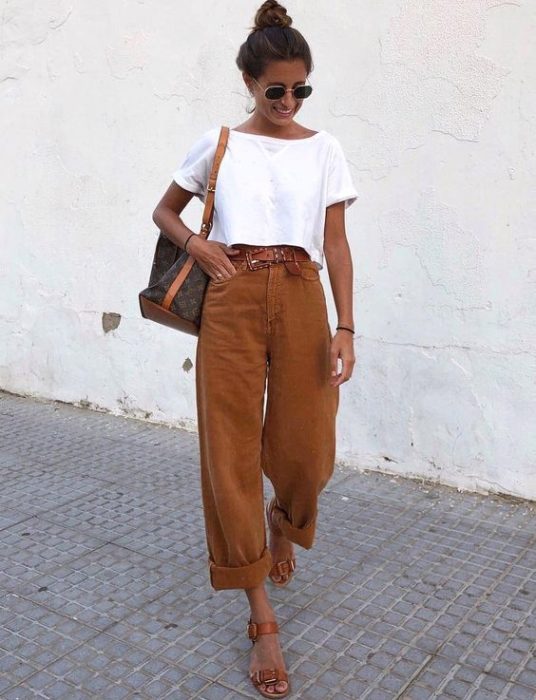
{"x": 255, "y": 264}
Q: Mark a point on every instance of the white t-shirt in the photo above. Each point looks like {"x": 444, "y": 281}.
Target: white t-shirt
{"x": 270, "y": 191}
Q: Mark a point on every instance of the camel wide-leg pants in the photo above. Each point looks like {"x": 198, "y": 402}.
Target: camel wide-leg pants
{"x": 263, "y": 330}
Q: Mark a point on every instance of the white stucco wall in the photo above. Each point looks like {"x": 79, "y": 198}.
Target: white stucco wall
{"x": 435, "y": 104}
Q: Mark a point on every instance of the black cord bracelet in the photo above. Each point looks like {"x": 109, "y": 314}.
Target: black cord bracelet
{"x": 345, "y": 328}
{"x": 186, "y": 241}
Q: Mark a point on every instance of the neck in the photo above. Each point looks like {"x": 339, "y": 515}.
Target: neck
{"x": 258, "y": 124}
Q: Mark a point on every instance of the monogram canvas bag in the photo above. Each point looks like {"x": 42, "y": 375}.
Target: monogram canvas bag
{"x": 177, "y": 284}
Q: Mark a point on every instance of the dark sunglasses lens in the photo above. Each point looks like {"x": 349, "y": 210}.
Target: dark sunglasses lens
{"x": 276, "y": 92}
{"x": 302, "y": 91}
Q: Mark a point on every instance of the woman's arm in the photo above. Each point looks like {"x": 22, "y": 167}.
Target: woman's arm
{"x": 212, "y": 256}
{"x": 167, "y": 214}
{"x": 341, "y": 277}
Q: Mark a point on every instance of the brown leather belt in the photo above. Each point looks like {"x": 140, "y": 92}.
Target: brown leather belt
{"x": 263, "y": 256}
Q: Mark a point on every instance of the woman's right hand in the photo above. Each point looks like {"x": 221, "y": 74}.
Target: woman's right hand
{"x": 212, "y": 257}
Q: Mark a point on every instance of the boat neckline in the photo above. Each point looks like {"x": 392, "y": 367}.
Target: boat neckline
{"x": 276, "y": 138}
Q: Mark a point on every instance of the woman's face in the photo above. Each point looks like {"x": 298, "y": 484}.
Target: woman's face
{"x": 285, "y": 73}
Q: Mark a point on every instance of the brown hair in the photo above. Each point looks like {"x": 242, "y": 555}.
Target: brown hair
{"x": 272, "y": 39}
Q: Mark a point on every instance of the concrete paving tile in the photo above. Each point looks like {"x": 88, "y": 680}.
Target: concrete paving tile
{"x": 104, "y": 585}
{"x": 411, "y": 592}
{"x": 34, "y": 494}
{"x": 35, "y": 547}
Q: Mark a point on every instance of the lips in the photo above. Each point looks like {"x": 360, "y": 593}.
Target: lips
{"x": 283, "y": 113}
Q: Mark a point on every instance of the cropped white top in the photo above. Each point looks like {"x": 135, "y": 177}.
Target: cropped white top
{"x": 270, "y": 191}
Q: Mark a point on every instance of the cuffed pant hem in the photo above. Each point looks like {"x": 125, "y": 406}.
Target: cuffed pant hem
{"x": 303, "y": 536}
{"x": 249, "y": 576}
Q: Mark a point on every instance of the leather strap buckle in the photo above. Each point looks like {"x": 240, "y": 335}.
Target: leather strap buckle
{"x": 271, "y": 680}
{"x": 254, "y": 264}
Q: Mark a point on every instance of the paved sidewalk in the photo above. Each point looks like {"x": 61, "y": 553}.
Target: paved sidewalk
{"x": 412, "y": 592}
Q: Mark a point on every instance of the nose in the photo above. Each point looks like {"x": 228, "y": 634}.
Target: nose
{"x": 288, "y": 101}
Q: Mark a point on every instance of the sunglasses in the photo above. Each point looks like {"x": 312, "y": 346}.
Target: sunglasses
{"x": 276, "y": 92}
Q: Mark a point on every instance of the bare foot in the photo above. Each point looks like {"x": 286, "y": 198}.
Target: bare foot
{"x": 266, "y": 652}
{"x": 281, "y": 548}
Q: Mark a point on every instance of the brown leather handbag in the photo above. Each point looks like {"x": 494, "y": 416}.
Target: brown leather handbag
{"x": 177, "y": 284}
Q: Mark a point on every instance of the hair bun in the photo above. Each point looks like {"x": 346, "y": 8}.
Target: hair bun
{"x": 271, "y": 14}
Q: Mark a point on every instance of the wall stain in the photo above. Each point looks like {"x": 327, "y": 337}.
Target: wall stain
{"x": 110, "y": 321}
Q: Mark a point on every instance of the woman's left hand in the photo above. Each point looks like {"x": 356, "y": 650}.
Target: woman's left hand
{"x": 342, "y": 346}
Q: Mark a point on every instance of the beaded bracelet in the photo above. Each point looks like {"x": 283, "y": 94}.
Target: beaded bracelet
{"x": 345, "y": 328}
{"x": 186, "y": 241}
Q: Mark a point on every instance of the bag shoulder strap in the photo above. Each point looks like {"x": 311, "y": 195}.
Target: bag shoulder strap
{"x": 208, "y": 212}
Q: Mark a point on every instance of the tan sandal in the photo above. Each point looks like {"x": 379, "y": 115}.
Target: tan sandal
{"x": 270, "y": 676}
{"x": 282, "y": 569}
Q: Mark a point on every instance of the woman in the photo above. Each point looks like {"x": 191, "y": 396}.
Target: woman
{"x": 280, "y": 204}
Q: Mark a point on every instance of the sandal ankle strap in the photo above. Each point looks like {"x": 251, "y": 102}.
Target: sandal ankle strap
{"x": 272, "y": 505}
{"x": 257, "y": 628}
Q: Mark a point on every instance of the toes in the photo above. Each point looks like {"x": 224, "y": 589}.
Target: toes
{"x": 278, "y": 688}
